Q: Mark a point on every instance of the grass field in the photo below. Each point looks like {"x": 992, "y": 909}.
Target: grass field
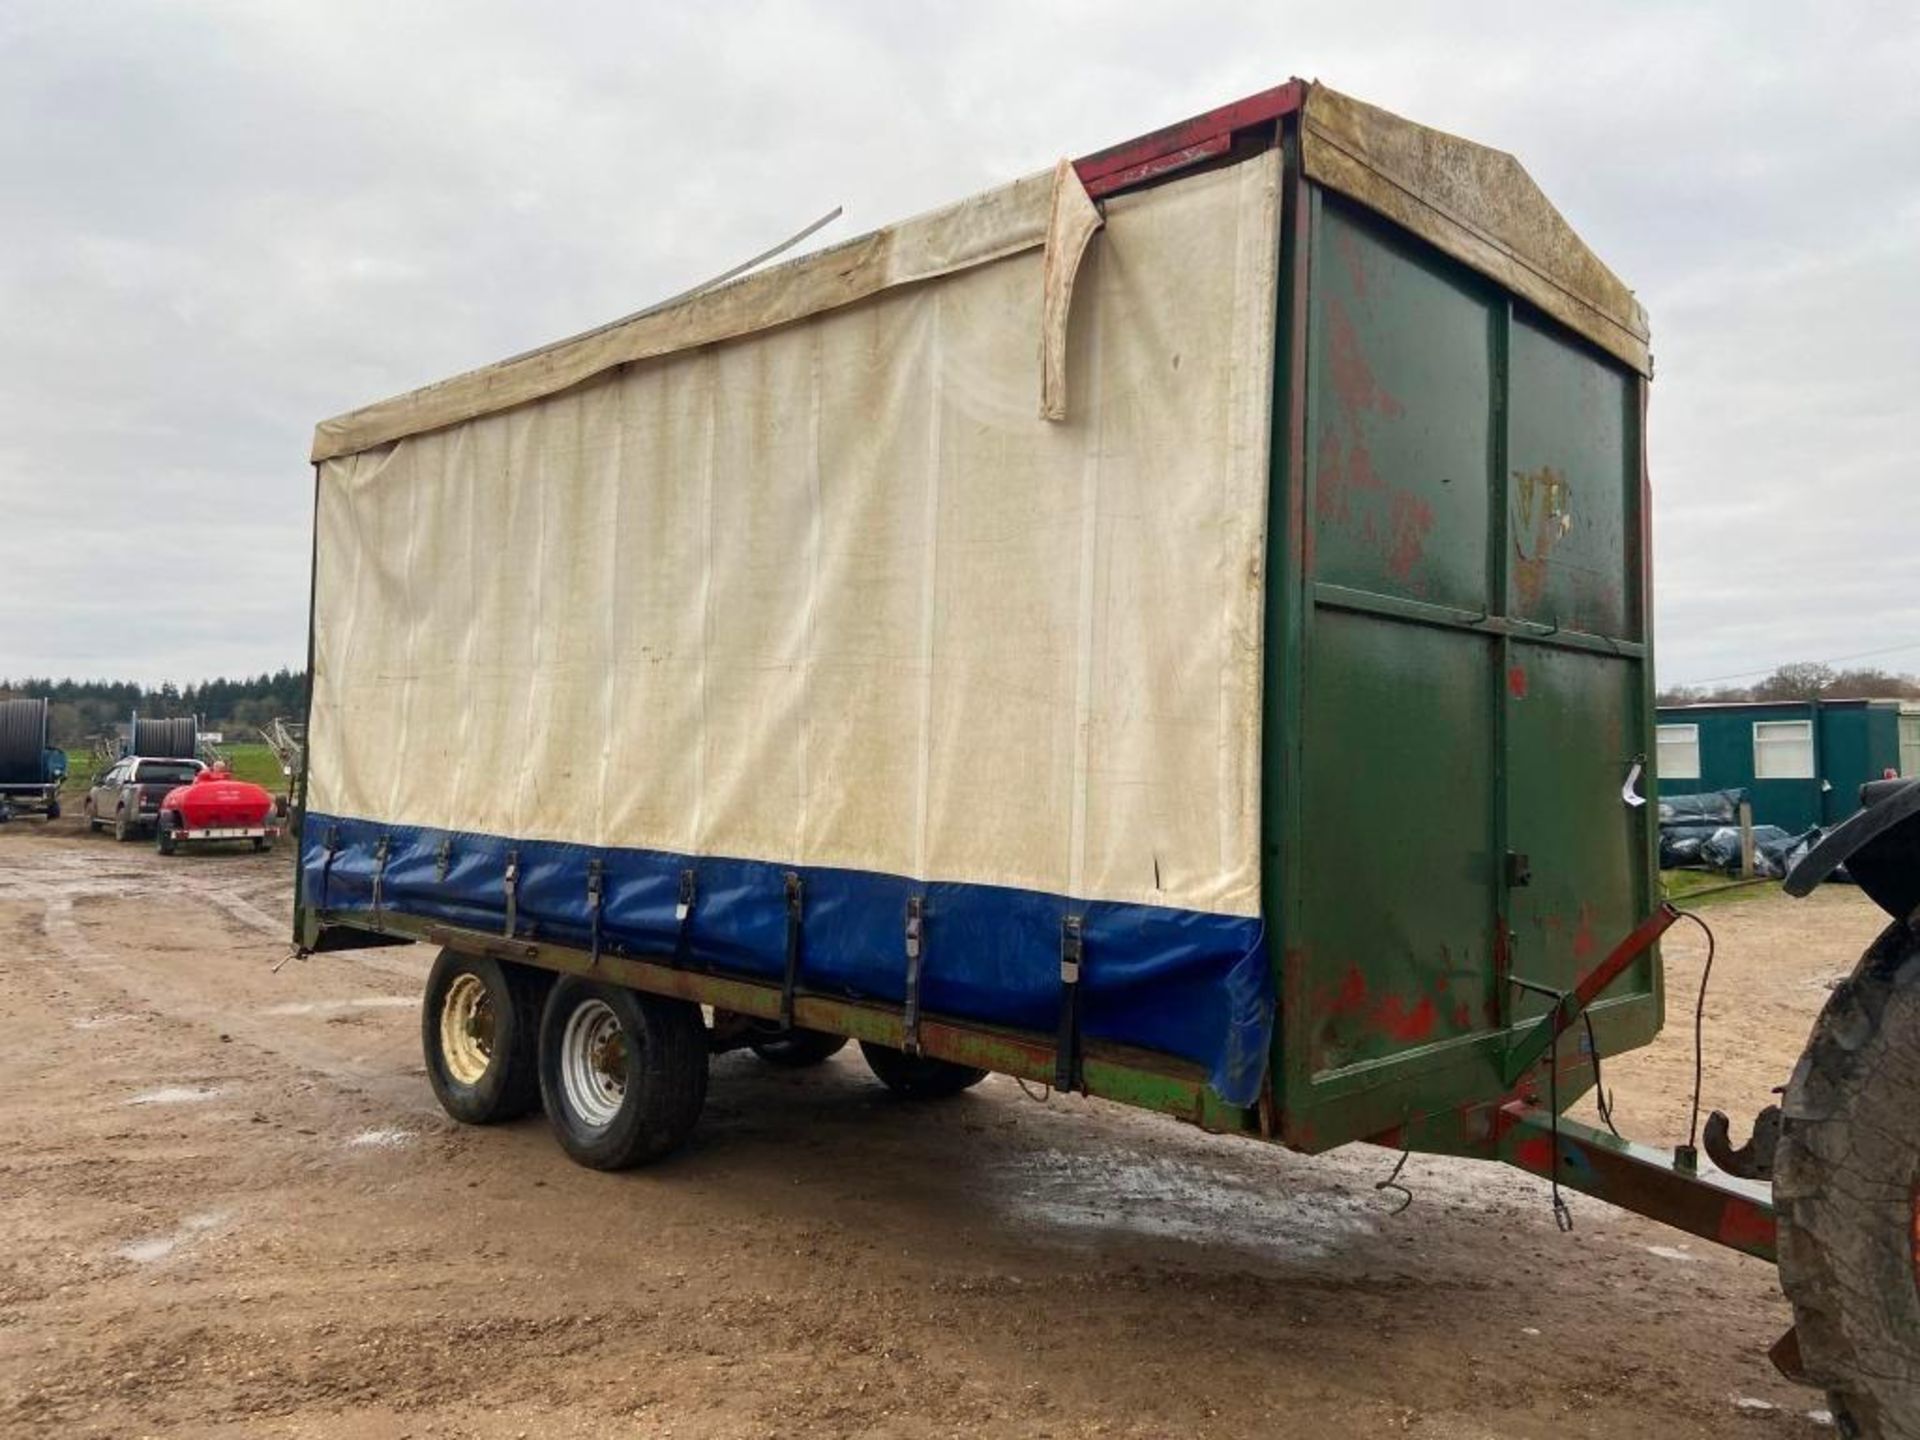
{"x": 253, "y": 762}
{"x": 1694, "y": 888}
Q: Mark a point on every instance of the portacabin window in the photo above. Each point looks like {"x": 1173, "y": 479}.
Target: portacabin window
{"x": 1679, "y": 753}
{"x": 1783, "y": 750}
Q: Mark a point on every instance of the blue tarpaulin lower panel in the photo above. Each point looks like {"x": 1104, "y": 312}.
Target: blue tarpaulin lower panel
{"x": 1182, "y": 982}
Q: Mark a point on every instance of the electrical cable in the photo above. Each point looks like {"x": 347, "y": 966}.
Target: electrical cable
{"x": 1699, "y": 1026}
{"x": 1602, "y": 1101}
{"x": 1392, "y": 1182}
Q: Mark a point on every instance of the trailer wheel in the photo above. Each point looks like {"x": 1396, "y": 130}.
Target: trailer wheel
{"x": 163, "y": 840}
{"x": 479, "y": 1026}
{"x": 918, "y": 1077}
{"x": 797, "y": 1049}
{"x": 1847, "y": 1188}
{"x": 624, "y": 1075}
{"x": 53, "y": 810}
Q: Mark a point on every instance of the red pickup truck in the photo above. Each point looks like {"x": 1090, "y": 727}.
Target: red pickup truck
{"x": 215, "y": 806}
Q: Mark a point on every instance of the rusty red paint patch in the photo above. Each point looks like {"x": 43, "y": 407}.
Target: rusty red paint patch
{"x": 1462, "y": 1017}
{"x": 1502, "y": 964}
{"x": 1107, "y": 170}
{"x": 1412, "y": 520}
{"x": 1329, "y": 479}
{"x": 1360, "y": 472}
{"x": 1916, "y": 1232}
{"x": 1517, "y": 681}
{"x": 1534, "y": 1153}
{"x": 1352, "y": 995}
{"x": 1407, "y": 1026}
{"x": 1746, "y": 1226}
{"x": 1583, "y": 942}
{"x": 1353, "y": 383}
{"x": 1348, "y": 244}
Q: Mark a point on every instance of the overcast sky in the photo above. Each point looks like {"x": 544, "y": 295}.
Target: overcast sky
{"x": 221, "y": 222}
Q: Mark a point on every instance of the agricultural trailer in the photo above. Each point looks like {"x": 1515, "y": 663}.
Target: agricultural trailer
{"x": 32, "y": 768}
{"x": 1175, "y": 628}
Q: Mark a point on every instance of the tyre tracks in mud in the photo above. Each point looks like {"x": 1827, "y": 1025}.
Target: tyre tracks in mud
{"x": 196, "y": 1235}
{"x": 164, "y": 934}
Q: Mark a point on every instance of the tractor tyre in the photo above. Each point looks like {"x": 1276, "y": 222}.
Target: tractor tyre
{"x": 1847, "y": 1189}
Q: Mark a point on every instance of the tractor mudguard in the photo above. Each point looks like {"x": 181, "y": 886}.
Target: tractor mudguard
{"x": 1880, "y": 846}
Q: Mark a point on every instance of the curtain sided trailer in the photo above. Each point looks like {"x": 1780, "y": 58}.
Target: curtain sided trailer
{"x": 1176, "y": 627}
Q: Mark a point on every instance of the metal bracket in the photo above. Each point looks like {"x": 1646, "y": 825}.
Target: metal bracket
{"x": 916, "y": 947}
{"x": 326, "y": 866}
{"x": 1066, "y": 1065}
{"x": 595, "y": 883}
{"x": 380, "y": 853}
{"x": 1570, "y": 1005}
{"x": 683, "y": 918}
{"x": 796, "y": 903}
{"x": 511, "y": 883}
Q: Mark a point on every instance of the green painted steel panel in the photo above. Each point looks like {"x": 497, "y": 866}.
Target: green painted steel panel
{"x": 1573, "y": 732}
{"x": 1402, "y": 429}
{"x": 1398, "y": 865}
{"x": 1463, "y": 614}
{"x": 1572, "y": 479}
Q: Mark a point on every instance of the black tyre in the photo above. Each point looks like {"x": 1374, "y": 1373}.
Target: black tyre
{"x": 163, "y": 840}
{"x": 480, "y": 1029}
{"x": 1847, "y": 1188}
{"x": 918, "y": 1077}
{"x": 53, "y": 810}
{"x": 123, "y": 828}
{"x": 93, "y": 820}
{"x": 797, "y": 1049}
{"x": 623, "y": 1075}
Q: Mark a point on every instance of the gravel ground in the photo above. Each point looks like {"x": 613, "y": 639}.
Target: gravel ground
{"x": 230, "y": 1207}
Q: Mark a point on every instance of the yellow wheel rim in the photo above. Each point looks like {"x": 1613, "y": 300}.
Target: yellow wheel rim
{"x": 466, "y": 1029}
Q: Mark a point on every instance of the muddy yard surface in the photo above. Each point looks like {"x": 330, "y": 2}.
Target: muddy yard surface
{"x": 229, "y": 1206}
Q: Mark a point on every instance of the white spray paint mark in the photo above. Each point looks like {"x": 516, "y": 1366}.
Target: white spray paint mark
{"x": 174, "y": 1095}
{"x": 1752, "y": 1405}
{"x": 335, "y": 1007}
{"x": 158, "y": 1247}
{"x": 1669, "y": 1252}
{"x": 380, "y": 1139}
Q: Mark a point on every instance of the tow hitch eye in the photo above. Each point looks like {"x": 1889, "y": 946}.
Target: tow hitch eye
{"x": 1753, "y": 1160}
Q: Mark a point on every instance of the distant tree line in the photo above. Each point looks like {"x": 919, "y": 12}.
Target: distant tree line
{"x": 81, "y": 709}
{"x": 1802, "y": 680}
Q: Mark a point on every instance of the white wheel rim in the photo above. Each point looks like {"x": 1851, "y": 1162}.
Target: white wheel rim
{"x": 466, "y": 1028}
{"x": 593, "y": 1063}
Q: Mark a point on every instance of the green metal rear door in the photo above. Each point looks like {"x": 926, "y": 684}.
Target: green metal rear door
{"x": 1463, "y": 615}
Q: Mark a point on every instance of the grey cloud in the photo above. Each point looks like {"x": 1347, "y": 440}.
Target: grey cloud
{"x": 220, "y": 222}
